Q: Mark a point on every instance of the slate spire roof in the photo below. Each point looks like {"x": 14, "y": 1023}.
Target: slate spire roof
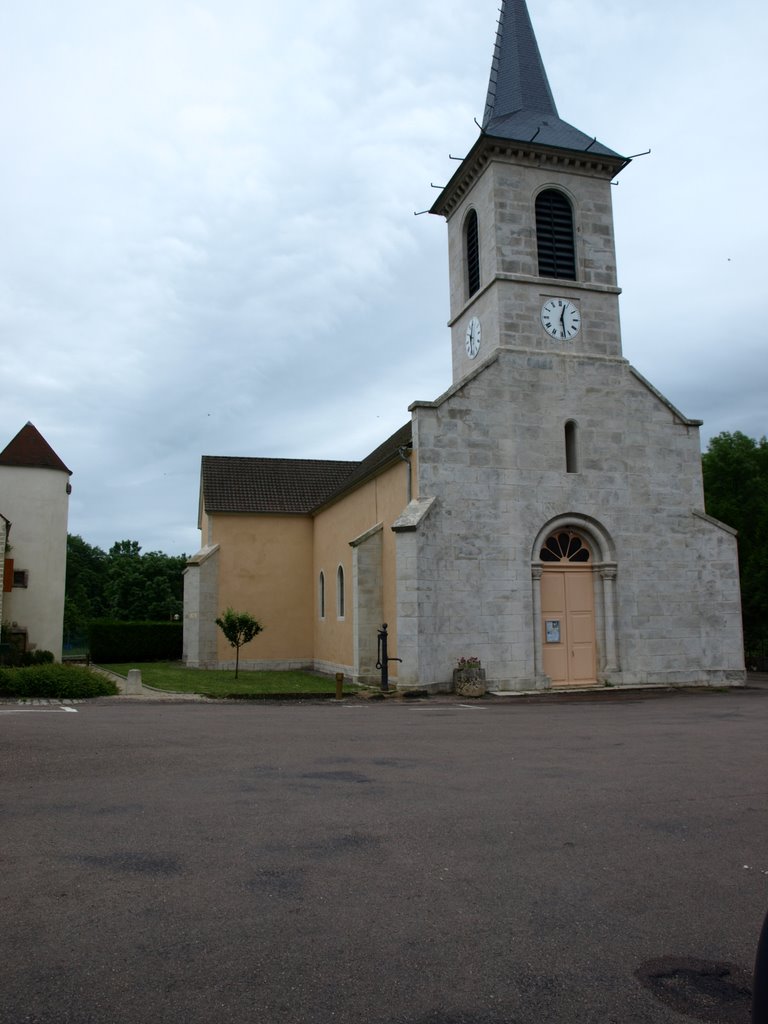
{"x": 30, "y": 450}
{"x": 520, "y": 105}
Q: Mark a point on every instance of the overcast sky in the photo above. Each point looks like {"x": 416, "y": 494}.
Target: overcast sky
{"x": 208, "y": 240}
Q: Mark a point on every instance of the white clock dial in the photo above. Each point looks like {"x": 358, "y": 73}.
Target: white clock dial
{"x": 561, "y": 319}
{"x": 472, "y": 339}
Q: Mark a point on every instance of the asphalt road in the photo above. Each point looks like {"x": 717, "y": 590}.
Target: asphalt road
{"x": 389, "y": 864}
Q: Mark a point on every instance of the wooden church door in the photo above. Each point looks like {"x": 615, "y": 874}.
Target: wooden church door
{"x": 568, "y": 610}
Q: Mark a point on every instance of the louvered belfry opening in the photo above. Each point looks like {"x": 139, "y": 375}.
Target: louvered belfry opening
{"x": 472, "y": 242}
{"x": 554, "y": 233}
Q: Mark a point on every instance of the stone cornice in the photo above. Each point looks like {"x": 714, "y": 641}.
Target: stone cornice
{"x": 475, "y": 372}
{"x": 413, "y": 515}
{"x": 665, "y": 401}
{"x": 488, "y": 148}
{"x": 715, "y": 522}
{"x": 555, "y": 285}
{"x": 366, "y": 536}
{"x": 203, "y": 554}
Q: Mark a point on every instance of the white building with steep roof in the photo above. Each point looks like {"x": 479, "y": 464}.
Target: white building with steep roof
{"x": 34, "y": 503}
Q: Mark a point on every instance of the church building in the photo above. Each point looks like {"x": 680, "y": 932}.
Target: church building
{"x": 545, "y": 514}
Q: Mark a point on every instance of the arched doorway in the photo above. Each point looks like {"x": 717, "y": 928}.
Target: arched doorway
{"x": 568, "y": 634}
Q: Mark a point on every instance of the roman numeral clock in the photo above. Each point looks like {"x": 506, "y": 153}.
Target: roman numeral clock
{"x": 561, "y": 319}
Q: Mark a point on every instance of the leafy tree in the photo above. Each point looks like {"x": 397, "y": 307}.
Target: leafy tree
{"x": 123, "y": 584}
{"x": 84, "y": 600}
{"x": 239, "y": 628}
{"x": 736, "y": 492}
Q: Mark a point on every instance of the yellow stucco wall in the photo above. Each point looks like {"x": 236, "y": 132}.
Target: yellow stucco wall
{"x": 265, "y": 569}
{"x": 380, "y": 500}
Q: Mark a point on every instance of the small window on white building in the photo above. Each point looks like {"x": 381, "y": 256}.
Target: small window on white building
{"x": 20, "y": 578}
{"x": 321, "y": 594}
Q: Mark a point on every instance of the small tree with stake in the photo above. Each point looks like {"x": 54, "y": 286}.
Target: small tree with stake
{"x": 239, "y": 628}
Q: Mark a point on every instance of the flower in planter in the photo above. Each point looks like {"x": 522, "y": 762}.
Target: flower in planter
{"x": 468, "y": 663}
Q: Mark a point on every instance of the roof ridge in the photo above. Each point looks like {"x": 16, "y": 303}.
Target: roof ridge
{"x": 278, "y": 458}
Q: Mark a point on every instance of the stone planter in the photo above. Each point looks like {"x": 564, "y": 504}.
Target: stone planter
{"x": 469, "y": 682}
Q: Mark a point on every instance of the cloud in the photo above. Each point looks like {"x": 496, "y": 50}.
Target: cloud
{"x": 209, "y": 240}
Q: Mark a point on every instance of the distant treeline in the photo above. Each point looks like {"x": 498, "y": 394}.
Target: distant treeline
{"x": 122, "y": 584}
{"x": 736, "y": 493}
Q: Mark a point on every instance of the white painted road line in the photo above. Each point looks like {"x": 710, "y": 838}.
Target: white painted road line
{"x": 36, "y": 711}
{"x": 445, "y": 707}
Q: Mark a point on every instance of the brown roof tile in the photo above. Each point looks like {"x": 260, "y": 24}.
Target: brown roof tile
{"x": 288, "y": 486}
{"x": 239, "y": 484}
{"x": 30, "y": 449}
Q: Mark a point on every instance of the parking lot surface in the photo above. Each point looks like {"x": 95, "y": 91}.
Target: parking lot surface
{"x": 415, "y": 863}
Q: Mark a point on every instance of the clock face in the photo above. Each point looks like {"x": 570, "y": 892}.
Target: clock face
{"x": 561, "y": 319}
{"x": 472, "y": 339}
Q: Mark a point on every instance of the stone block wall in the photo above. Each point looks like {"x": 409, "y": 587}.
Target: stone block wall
{"x": 368, "y": 602}
{"x": 492, "y": 455}
{"x": 201, "y": 609}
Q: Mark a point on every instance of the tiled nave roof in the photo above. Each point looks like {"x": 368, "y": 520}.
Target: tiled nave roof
{"x": 240, "y": 484}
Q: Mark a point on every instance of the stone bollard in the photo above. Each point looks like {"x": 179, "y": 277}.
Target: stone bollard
{"x": 133, "y": 683}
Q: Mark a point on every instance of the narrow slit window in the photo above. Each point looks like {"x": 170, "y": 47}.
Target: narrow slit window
{"x": 571, "y": 448}
{"x": 554, "y": 235}
{"x": 321, "y": 594}
{"x": 472, "y": 253}
{"x": 340, "y": 592}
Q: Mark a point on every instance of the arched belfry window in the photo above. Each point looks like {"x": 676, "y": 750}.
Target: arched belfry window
{"x": 565, "y": 546}
{"x": 554, "y": 235}
{"x": 472, "y": 253}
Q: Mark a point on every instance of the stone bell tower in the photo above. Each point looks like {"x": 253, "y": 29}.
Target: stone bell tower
{"x": 530, "y": 225}
{"x": 558, "y": 533}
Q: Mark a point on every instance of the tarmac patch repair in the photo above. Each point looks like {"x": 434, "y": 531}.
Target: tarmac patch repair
{"x": 716, "y": 992}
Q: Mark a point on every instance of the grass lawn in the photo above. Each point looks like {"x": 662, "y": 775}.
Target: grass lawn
{"x": 173, "y": 676}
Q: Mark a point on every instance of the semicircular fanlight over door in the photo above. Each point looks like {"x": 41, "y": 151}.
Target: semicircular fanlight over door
{"x": 568, "y": 610}
{"x": 565, "y": 546}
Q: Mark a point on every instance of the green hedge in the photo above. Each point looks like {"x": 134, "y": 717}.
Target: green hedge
{"x": 135, "y": 641}
{"x": 54, "y": 681}
{"x": 12, "y": 657}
